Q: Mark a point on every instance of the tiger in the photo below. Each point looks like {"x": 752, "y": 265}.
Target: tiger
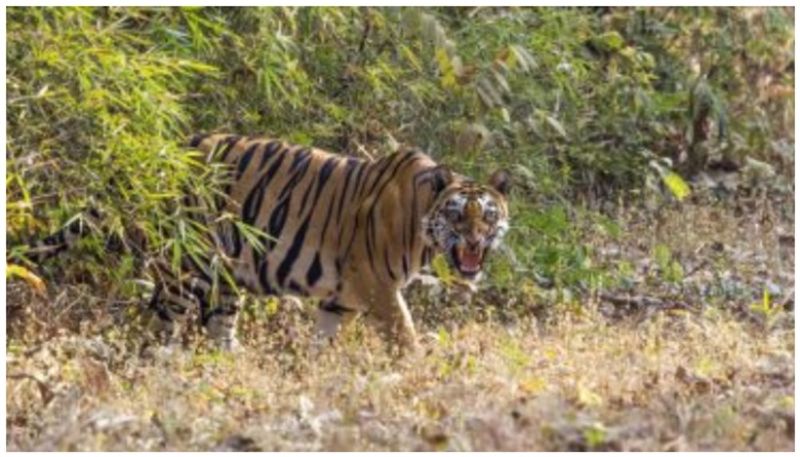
{"x": 347, "y": 231}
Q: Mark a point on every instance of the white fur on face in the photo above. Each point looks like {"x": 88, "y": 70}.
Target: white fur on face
{"x": 438, "y": 229}
{"x": 500, "y": 232}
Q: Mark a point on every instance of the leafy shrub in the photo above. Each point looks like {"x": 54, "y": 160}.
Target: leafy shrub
{"x": 577, "y": 102}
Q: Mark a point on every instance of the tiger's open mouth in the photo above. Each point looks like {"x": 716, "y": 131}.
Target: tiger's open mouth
{"x": 467, "y": 260}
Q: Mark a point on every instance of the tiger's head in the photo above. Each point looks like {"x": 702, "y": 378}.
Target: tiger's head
{"x": 467, "y": 220}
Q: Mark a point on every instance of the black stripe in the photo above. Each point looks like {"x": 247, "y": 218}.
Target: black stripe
{"x": 236, "y": 238}
{"x": 413, "y": 219}
{"x": 197, "y": 139}
{"x": 268, "y": 152}
{"x": 420, "y": 178}
{"x": 351, "y": 165}
{"x": 263, "y": 278}
{"x": 361, "y": 167}
{"x": 304, "y": 200}
{"x": 381, "y": 167}
{"x": 403, "y": 158}
{"x": 362, "y": 177}
{"x": 314, "y": 272}
{"x": 155, "y": 304}
{"x": 229, "y": 143}
{"x": 76, "y": 228}
{"x": 252, "y": 203}
{"x": 220, "y": 310}
{"x": 325, "y": 173}
{"x": 245, "y": 160}
{"x": 438, "y": 183}
{"x": 408, "y": 159}
{"x": 325, "y": 226}
{"x": 386, "y": 261}
{"x": 334, "y": 307}
{"x": 370, "y": 241}
{"x": 279, "y": 215}
{"x": 178, "y": 293}
{"x": 370, "y": 233}
{"x": 226, "y": 236}
{"x": 302, "y": 166}
{"x": 291, "y": 255}
{"x": 295, "y": 287}
{"x": 352, "y": 238}
{"x": 303, "y": 155}
{"x": 277, "y": 220}
{"x": 205, "y": 306}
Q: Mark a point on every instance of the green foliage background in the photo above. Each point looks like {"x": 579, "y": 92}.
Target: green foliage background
{"x": 580, "y": 103}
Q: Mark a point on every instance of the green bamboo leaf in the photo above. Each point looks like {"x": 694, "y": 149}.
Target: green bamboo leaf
{"x": 553, "y": 122}
{"x": 26, "y": 275}
{"x": 442, "y": 270}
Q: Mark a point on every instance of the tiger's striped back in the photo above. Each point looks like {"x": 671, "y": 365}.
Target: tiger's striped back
{"x": 323, "y": 212}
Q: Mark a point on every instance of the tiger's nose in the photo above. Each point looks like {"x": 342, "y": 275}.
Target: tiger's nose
{"x": 473, "y": 244}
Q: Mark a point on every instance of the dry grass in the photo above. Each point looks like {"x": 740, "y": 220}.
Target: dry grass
{"x": 677, "y": 382}
{"x": 673, "y": 380}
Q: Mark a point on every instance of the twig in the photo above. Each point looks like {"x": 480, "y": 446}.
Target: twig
{"x": 641, "y": 301}
{"x": 45, "y": 390}
{"x": 697, "y": 268}
{"x": 367, "y": 28}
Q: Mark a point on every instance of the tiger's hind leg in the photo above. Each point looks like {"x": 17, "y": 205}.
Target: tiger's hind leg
{"x": 220, "y": 321}
{"x": 172, "y": 306}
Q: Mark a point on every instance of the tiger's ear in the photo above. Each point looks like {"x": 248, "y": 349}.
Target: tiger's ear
{"x": 442, "y": 177}
{"x": 501, "y": 181}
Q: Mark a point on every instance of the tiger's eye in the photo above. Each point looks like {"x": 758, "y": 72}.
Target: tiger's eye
{"x": 490, "y": 216}
{"x": 453, "y": 215}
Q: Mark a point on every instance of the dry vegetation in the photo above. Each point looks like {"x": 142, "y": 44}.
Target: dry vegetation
{"x": 569, "y": 378}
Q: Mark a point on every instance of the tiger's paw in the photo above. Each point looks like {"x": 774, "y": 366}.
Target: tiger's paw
{"x": 230, "y": 345}
{"x": 406, "y": 349}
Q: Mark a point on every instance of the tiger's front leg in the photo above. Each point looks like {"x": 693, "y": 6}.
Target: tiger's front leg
{"x": 390, "y": 313}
